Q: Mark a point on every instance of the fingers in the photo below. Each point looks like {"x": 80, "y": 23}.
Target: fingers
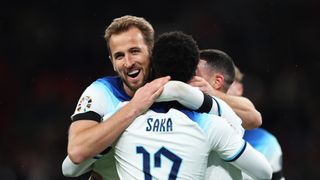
{"x": 197, "y": 81}
{"x": 157, "y": 86}
{"x": 147, "y": 94}
{"x": 158, "y": 93}
{"x": 196, "y": 84}
{"x": 202, "y": 84}
{"x": 161, "y": 81}
{"x": 152, "y": 89}
{"x": 196, "y": 78}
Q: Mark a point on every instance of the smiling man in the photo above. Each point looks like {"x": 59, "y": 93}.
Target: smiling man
{"x": 130, "y": 58}
{"x": 130, "y": 41}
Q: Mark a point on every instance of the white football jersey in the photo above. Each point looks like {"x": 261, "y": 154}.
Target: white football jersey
{"x": 225, "y": 111}
{"x": 174, "y": 145}
{"x": 218, "y": 168}
{"x": 105, "y": 96}
{"x": 99, "y": 101}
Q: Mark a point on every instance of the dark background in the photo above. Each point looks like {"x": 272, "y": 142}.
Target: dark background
{"x": 51, "y": 50}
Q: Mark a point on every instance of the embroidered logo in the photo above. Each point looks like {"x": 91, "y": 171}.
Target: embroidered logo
{"x": 84, "y": 104}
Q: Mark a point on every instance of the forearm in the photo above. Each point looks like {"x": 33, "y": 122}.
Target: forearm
{"x": 69, "y": 169}
{"x": 88, "y": 138}
{"x": 244, "y": 108}
{"x": 87, "y": 142}
{"x": 188, "y": 96}
{"x": 185, "y": 94}
{"x": 254, "y": 164}
{"x": 251, "y": 118}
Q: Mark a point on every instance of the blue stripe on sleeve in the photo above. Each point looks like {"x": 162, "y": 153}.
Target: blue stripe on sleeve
{"x": 238, "y": 154}
{"x": 218, "y": 105}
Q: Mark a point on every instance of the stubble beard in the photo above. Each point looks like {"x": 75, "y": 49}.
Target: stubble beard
{"x": 135, "y": 87}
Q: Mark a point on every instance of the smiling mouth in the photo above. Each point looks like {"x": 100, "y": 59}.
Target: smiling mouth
{"x": 133, "y": 73}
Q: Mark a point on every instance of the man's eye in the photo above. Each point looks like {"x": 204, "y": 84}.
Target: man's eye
{"x": 118, "y": 57}
{"x": 135, "y": 51}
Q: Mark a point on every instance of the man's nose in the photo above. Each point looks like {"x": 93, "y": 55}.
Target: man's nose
{"x": 128, "y": 62}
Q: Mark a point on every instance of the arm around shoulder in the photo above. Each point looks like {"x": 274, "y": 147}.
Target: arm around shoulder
{"x": 244, "y": 108}
{"x": 88, "y": 138}
{"x": 188, "y": 96}
{"x": 185, "y": 94}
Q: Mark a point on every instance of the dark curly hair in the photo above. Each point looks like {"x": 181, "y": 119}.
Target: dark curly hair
{"x": 175, "y": 54}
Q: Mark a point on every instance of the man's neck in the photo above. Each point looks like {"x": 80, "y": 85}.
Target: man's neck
{"x": 127, "y": 90}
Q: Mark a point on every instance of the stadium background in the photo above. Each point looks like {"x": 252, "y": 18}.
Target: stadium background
{"x": 51, "y": 50}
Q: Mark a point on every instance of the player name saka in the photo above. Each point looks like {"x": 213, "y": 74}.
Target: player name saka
{"x": 159, "y": 125}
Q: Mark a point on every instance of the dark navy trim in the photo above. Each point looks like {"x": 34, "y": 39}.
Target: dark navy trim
{"x": 90, "y": 115}
{"x": 239, "y": 154}
{"x": 218, "y": 106}
{"x": 106, "y": 150}
{"x": 164, "y": 107}
{"x": 206, "y": 105}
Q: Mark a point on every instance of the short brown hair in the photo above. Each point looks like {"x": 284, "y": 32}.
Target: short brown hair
{"x": 124, "y": 23}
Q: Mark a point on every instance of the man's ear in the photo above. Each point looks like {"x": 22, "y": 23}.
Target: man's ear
{"x": 218, "y": 81}
{"x": 110, "y": 58}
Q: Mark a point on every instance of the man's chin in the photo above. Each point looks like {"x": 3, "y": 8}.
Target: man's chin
{"x": 133, "y": 86}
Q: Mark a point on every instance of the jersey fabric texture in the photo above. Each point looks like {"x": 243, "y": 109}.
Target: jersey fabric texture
{"x": 174, "y": 144}
{"x": 101, "y": 100}
{"x": 217, "y": 168}
{"x": 105, "y": 96}
{"x": 225, "y": 111}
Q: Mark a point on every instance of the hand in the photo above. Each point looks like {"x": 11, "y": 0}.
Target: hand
{"x": 203, "y": 85}
{"x": 170, "y": 91}
{"x": 147, "y": 94}
{"x": 185, "y": 94}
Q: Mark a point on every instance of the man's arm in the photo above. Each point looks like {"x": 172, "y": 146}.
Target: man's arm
{"x": 69, "y": 169}
{"x": 193, "y": 98}
{"x": 88, "y": 138}
{"x": 243, "y": 107}
{"x": 188, "y": 96}
{"x": 233, "y": 149}
{"x": 253, "y": 163}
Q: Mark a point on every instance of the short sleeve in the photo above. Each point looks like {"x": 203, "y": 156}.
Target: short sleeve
{"x": 232, "y": 118}
{"x": 97, "y": 99}
{"x": 224, "y": 140}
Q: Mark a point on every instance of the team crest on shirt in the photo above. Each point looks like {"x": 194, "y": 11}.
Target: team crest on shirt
{"x": 84, "y": 104}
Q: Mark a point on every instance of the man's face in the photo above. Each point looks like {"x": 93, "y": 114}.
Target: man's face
{"x": 130, "y": 58}
{"x": 204, "y": 71}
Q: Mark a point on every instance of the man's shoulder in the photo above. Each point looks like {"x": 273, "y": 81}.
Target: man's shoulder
{"x": 108, "y": 80}
{"x": 204, "y": 120}
{"x": 103, "y": 84}
{"x": 114, "y": 85}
